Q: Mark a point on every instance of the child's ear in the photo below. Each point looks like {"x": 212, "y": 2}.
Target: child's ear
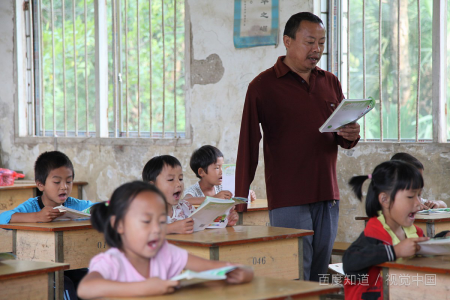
{"x": 112, "y": 221}
{"x": 40, "y": 185}
{"x": 383, "y": 198}
{"x": 201, "y": 172}
{"x": 151, "y": 182}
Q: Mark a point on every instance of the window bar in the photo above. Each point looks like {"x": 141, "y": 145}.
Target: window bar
{"x": 115, "y": 75}
{"x": 75, "y": 67}
{"x": 63, "y": 19}
{"x": 348, "y": 49}
{"x": 86, "y": 96}
{"x": 126, "y": 72}
{"x": 41, "y": 69}
{"x": 138, "y": 70}
{"x": 53, "y": 64}
{"x": 174, "y": 69}
{"x": 380, "y": 70}
{"x": 398, "y": 71}
{"x": 418, "y": 69}
{"x": 164, "y": 71}
{"x": 364, "y": 62}
{"x": 150, "y": 44}
{"x": 29, "y": 28}
{"x": 121, "y": 122}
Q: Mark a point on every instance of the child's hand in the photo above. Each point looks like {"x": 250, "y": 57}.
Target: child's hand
{"x": 430, "y": 204}
{"x": 240, "y": 275}
{"x": 408, "y": 247}
{"x": 233, "y": 217}
{"x": 48, "y": 214}
{"x": 223, "y": 195}
{"x": 252, "y": 195}
{"x": 157, "y": 286}
{"x": 183, "y": 226}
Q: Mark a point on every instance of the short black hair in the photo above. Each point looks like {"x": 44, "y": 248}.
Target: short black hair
{"x": 203, "y": 157}
{"x": 155, "y": 165}
{"x": 118, "y": 206}
{"x": 388, "y": 177}
{"x": 409, "y": 159}
{"x": 294, "y": 21}
{"x": 49, "y": 161}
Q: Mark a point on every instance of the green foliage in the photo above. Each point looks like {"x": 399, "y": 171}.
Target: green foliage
{"x": 149, "y": 70}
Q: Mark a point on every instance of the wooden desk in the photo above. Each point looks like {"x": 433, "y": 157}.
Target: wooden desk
{"x": 71, "y": 242}
{"x": 271, "y": 251}
{"x": 259, "y": 288}
{"x": 417, "y": 278}
{"x": 430, "y": 224}
{"x": 22, "y": 190}
{"x": 28, "y": 279}
{"x": 257, "y": 214}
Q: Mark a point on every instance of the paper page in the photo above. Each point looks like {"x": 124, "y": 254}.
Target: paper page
{"x": 190, "y": 277}
{"x": 228, "y": 178}
{"x": 220, "y": 221}
{"x": 436, "y": 246}
{"x": 71, "y": 214}
{"x": 210, "y": 209}
{"x": 349, "y": 111}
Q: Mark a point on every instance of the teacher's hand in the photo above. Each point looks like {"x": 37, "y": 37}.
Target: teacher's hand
{"x": 350, "y": 132}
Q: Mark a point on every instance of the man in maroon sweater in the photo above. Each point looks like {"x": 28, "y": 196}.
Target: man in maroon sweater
{"x": 291, "y": 101}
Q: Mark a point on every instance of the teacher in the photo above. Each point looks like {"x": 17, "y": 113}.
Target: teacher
{"x": 291, "y": 101}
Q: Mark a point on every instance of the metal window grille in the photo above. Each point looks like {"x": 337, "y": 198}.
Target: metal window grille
{"x": 369, "y": 29}
{"x": 145, "y": 72}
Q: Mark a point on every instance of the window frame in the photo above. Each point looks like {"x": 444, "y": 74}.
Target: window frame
{"x": 25, "y": 121}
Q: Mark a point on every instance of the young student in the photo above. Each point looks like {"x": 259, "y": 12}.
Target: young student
{"x": 393, "y": 199}
{"x": 426, "y": 204}
{"x": 166, "y": 174}
{"x": 54, "y": 177}
{"x": 206, "y": 162}
{"x": 140, "y": 261}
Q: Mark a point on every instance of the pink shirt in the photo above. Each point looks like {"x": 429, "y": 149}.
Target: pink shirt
{"x": 113, "y": 264}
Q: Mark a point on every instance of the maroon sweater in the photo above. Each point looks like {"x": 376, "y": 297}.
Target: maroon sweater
{"x": 299, "y": 161}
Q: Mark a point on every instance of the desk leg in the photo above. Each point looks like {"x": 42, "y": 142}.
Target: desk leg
{"x": 14, "y": 242}
{"x": 300, "y": 258}
{"x": 241, "y": 218}
{"x": 385, "y": 279}
{"x": 214, "y": 253}
{"x": 51, "y": 286}
{"x": 59, "y": 257}
{"x": 430, "y": 230}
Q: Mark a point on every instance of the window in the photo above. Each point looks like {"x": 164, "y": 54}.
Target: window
{"x": 386, "y": 54}
{"x": 113, "y": 69}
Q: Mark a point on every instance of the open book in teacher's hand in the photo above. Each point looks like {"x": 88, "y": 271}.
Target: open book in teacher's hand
{"x": 213, "y": 212}
{"x": 349, "y": 111}
{"x": 190, "y": 277}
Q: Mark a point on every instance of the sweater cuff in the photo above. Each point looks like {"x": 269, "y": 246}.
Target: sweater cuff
{"x": 390, "y": 252}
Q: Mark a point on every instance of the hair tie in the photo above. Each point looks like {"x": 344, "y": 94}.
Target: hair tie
{"x": 107, "y": 203}
{"x": 370, "y": 176}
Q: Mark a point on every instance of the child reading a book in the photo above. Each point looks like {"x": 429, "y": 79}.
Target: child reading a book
{"x": 206, "y": 162}
{"x": 166, "y": 174}
{"x": 426, "y": 204}
{"x": 140, "y": 261}
{"x": 54, "y": 177}
{"x": 393, "y": 199}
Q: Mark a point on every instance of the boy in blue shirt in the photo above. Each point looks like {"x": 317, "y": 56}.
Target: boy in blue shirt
{"x": 54, "y": 176}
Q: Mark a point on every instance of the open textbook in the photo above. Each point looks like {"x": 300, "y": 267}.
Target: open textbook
{"x": 436, "y": 246}
{"x": 190, "y": 277}
{"x": 72, "y": 214}
{"x": 349, "y": 111}
{"x": 434, "y": 211}
{"x": 214, "y": 210}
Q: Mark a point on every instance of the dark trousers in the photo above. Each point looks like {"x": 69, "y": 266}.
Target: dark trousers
{"x": 322, "y": 217}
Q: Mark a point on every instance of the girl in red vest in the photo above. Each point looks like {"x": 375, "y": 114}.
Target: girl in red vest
{"x": 393, "y": 199}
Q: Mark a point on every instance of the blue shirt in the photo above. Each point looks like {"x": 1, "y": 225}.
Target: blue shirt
{"x": 32, "y": 205}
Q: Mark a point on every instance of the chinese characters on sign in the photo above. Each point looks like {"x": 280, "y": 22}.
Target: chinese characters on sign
{"x": 255, "y": 23}
{"x": 392, "y": 280}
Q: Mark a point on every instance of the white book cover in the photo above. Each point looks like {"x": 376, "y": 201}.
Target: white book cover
{"x": 228, "y": 177}
{"x": 72, "y": 214}
{"x": 436, "y": 246}
{"x": 349, "y": 111}
{"x": 210, "y": 209}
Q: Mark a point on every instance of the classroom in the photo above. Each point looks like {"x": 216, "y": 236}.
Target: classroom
{"x": 200, "y": 99}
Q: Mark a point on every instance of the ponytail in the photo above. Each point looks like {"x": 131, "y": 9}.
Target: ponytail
{"x": 356, "y": 182}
